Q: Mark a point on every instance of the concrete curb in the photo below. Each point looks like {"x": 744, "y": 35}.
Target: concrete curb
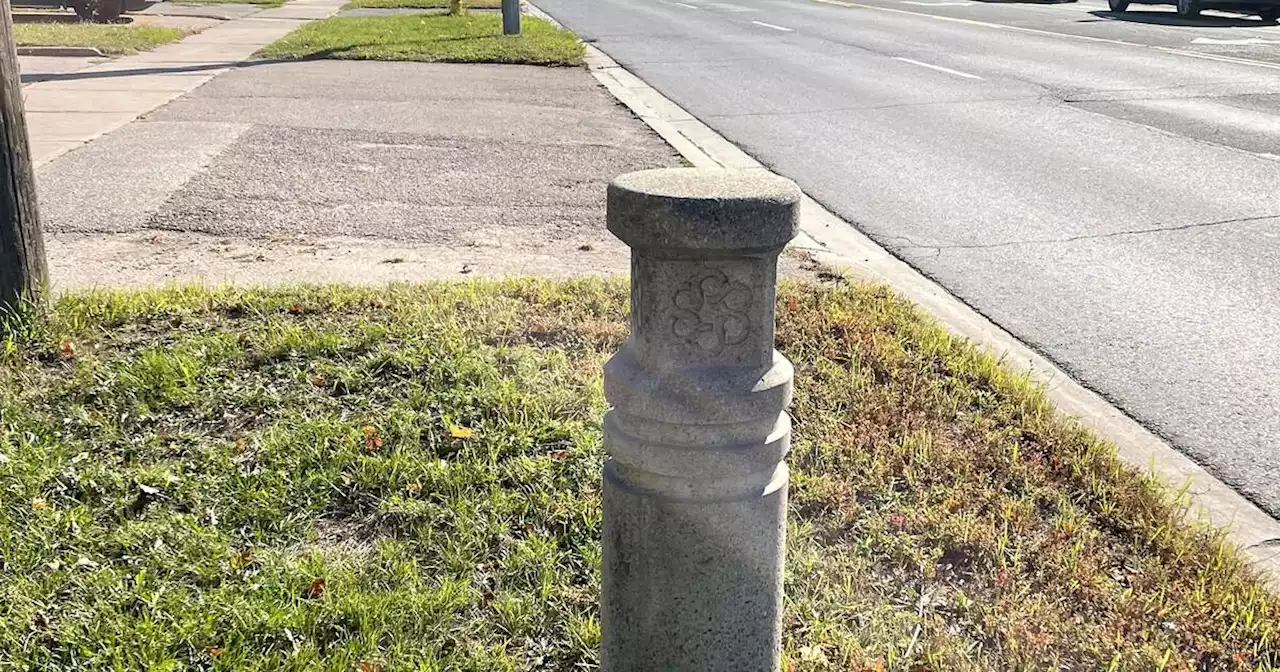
{"x": 834, "y": 242}
{"x": 61, "y": 51}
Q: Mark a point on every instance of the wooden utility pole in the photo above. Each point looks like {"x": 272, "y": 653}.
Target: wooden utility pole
{"x": 23, "y": 272}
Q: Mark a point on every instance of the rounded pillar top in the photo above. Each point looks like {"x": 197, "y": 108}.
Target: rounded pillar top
{"x": 704, "y": 211}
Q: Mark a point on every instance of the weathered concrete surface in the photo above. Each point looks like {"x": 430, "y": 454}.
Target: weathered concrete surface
{"x": 39, "y": 68}
{"x": 173, "y": 68}
{"x": 351, "y": 171}
{"x": 225, "y": 11}
{"x": 695, "y": 488}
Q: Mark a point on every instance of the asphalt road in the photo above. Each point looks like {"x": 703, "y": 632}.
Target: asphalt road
{"x": 1102, "y": 186}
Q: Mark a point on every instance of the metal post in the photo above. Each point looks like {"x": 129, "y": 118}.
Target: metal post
{"x": 695, "y": 488}
{"x": 510, "y": 17}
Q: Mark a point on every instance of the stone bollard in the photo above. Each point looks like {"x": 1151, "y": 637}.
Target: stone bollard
{"x": 695, "y": 487}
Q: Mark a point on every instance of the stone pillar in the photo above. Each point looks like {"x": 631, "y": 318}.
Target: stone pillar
{"x": 695, "y": 487}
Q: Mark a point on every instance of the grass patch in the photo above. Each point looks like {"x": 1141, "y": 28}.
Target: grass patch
{"x": 473, "y": 38}
{"x": 109, "y": 39}
{"x": 407, "y": 478}
{"x": 421, "y": 4}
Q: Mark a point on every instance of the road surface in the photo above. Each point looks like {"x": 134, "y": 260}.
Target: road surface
{"x": 1105, "y": 187}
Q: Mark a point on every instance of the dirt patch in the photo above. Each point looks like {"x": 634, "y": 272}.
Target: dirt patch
{"x": 151, "y": 258}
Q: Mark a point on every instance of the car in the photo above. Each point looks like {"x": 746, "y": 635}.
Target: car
{"x": 1267, "y": 10}
{"x": 102, "y": 11}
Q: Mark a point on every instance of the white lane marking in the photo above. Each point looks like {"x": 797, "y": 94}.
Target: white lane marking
{"x": 1049, "y": 33}
{"x": 726, "y": 7}
{"x": 1246, "y": 41}
{"x": 770, "y": 25}
{"x": 939, "y": 68}
{"x": 937, "y": 4}
{"x": 974, "y": 22}
{"x": 684, "y": 5}
{"x": 1220, "y": 57}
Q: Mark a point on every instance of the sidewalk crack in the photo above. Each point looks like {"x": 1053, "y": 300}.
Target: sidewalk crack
{"x": 873, "y": 108}
{"x": 1092, "y": 236}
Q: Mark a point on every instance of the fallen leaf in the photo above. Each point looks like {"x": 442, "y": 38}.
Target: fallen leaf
{"x": 316, "y": 590}
{"x": 792, "y": 305}
{"x": 813, "y": 654}
{"x": 245, "y": 557}
{"x": 240, "y": 445}
{"x": 295, "y": 309}
{"x": 68, "y": 349}
{"x": 558, "y": 454}
{"x": 414, "y": 487}
{"x": 372, "y": 441}
{"x": 460, "y": 432}
{"x": 39, "y": 504}
{"x": 1002, "y": 577}
{"x": 369, "y": 666}
{"x": 317, "y": 380}
{"x": 213, "y": 651}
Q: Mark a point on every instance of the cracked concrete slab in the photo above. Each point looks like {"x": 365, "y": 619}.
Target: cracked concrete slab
{"x": 40, "y": 68}
{"x": 479, "y": 169}
{"x": 104, "y": 186}
{"x": 225, "y": 11}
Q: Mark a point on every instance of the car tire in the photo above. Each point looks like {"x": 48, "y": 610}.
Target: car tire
{"x": 1188, "y": 9}
{"x": 1118, "y": 5}
{"x": 1270, "y": 14}
{"x": 82, "y": 9}
{"x": 108, "y": 11}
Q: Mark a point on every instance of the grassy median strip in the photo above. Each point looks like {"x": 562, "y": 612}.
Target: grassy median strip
{"x": 421, "y": 4}
{"x": 473, "y": 38}
{"x": 109, "y": 39}
{"x": 407, "y": 478}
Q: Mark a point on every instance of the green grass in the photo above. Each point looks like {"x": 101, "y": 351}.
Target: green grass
{"x": 110, "y": 39}
{"x": 407, "y": 478}
{"x": 473, "y": 38}
{"x": 421, "y": 4}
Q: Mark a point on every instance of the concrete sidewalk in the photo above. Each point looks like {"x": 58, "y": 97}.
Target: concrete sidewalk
{"x": 68, "y": 109}
{"x": 348, "y": 171}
